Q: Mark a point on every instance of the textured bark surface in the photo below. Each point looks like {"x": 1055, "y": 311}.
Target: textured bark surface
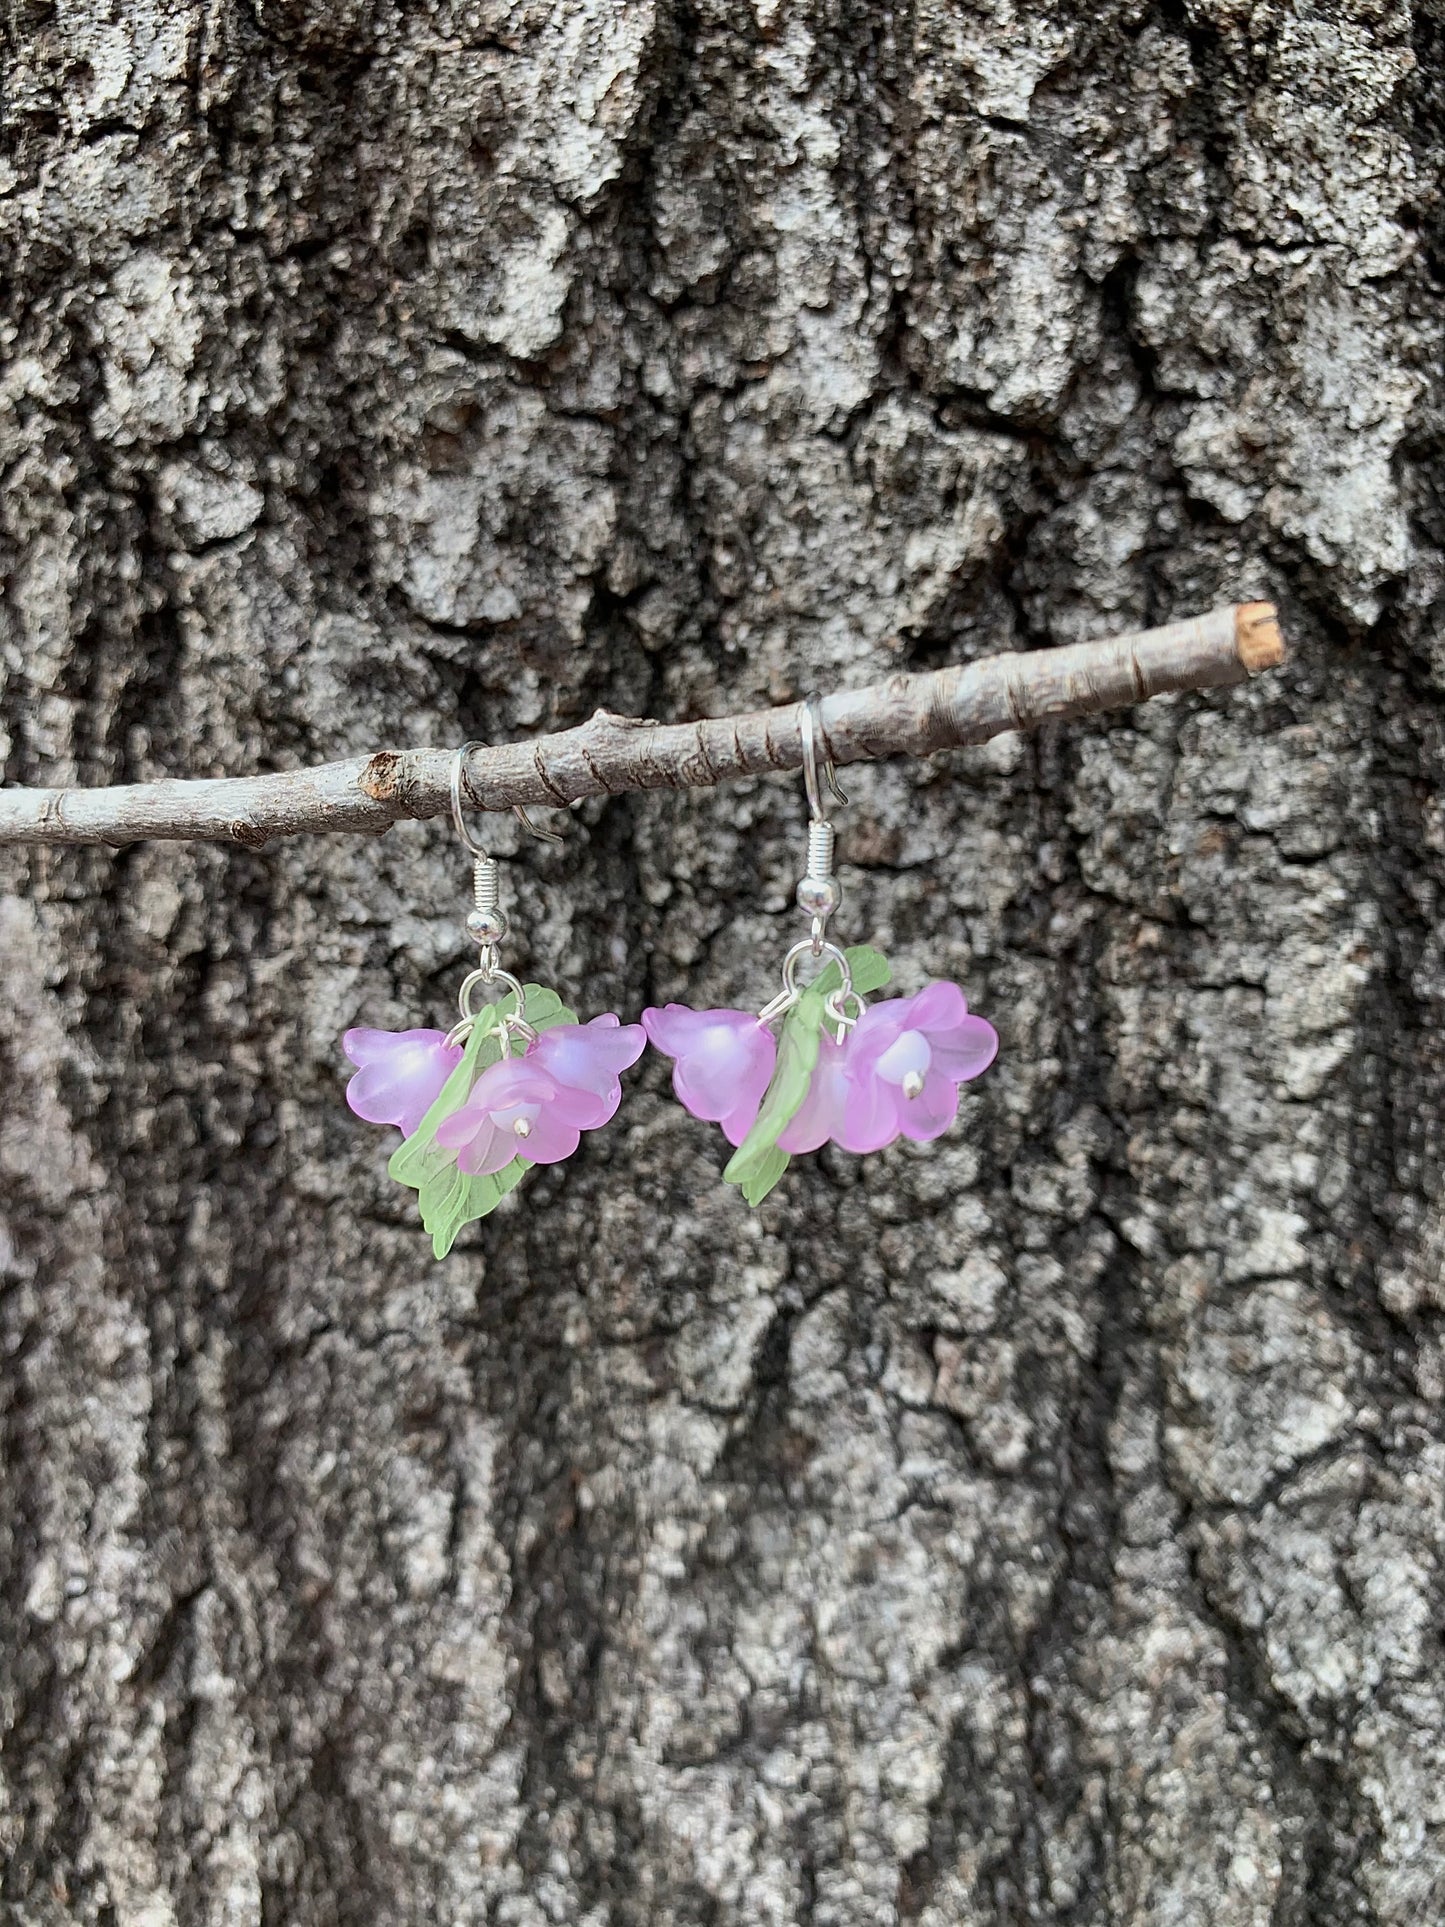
{"x": 1046, "y": 1526}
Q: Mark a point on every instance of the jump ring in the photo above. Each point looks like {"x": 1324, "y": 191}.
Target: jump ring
{"x": 804, "y": 948}
{"x": 488, "y": 976}
{"x": 836, "y": 1006}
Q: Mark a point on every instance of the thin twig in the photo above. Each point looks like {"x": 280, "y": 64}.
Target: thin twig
{"x": 904, "y": 716}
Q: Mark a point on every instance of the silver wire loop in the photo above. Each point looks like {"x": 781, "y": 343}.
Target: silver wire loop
{"x": 805, "y": 949}
{"x": 459, "y": 821}
{"x": 836, "y": 1004}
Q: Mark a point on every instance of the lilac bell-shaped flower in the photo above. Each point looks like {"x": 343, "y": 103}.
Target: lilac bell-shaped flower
{"x": 537, "y": 1106}
{"x": 587, "y": 1060}
{"x": 516, "y": 1109}
{"x": 722, "y": 1062}
{"x": 400, "y": 1074}
{"x": 821, "y": 1114}
{"x": 905, "y": 1061}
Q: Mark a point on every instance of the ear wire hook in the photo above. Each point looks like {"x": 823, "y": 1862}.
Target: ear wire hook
{"x": 543, "y": 836}
{"x": 810, "y": 729}
{"x": 486, "y": 922}
{"x": 459, "y": 822}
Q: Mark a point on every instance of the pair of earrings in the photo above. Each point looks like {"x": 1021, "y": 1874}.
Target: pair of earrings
{"x": 517, "y": 1081}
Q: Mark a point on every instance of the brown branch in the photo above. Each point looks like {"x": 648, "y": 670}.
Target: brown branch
{"x": 904, "y": 716}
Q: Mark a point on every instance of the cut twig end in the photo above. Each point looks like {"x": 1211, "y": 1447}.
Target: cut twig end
{"x": 380, "y": 778}
{"x": 1257, "y": 636}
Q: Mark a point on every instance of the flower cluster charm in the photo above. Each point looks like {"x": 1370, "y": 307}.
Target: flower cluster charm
{"x": 476, "y": 1115}
{"x": 892, "y": 1070}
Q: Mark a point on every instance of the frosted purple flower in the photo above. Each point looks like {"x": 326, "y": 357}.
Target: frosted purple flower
{"x": 400, "y": 1074}
{"x": 905, "y": 1060}
{"x": 537, "y": 1106}
{"x": 722, "y": 1062}
{"x": 822, "y": 1111}
{"x": 587, "y": 1059}
{"x": 516, "y": 1109}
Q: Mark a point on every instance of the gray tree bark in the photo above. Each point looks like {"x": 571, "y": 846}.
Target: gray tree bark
{"x": 1041, "y": 1526}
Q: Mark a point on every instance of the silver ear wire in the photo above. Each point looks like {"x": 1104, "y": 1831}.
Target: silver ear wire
{"x": 810, "y": 729}
{"x": 486, "y": 922}
{"x": 819, "y": 892}
{"x": 459, "y": 765}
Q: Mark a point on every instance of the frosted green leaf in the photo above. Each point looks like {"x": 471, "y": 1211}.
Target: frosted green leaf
{"x": 869, "y": 969}
{"x": 757, "y": 1164}
{"x": 768, "y": 1169}
{"x": 544, "y": 1008}
{"x": 454, "y": 1199}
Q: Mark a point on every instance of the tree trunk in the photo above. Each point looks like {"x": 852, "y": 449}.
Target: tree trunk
{"x": 1040, "y": 1526}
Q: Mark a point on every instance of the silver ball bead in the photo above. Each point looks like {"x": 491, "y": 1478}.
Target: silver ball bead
{"x": 486, "y": 926}
{"x": 819, "y": 896}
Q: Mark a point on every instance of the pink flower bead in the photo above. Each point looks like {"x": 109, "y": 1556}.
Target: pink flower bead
{"x": 822, "y": 1112}
{"x": 905, "y": 1062}
{"x": 722, "y": 1062}
{"x": 400, "y": 1074}
{"x": 516, "y": 1109}
{"x": 537, "y": 1106}
{"x": 586, "y": 1060}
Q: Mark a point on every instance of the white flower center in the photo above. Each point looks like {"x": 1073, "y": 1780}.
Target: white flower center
{"x": 906, "y": 1062}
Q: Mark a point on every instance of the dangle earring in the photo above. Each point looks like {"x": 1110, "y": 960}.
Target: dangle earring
{"x": 512, "y": 1084}
{"x": 840, "y": 1069}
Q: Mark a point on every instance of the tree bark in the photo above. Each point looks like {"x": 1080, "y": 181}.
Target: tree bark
{"x": 1044, "y": 1525}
